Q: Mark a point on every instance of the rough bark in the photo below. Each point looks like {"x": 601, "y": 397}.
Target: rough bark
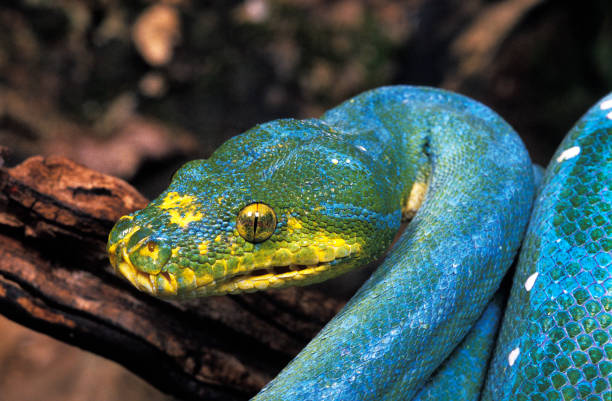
{"x": 54, "y": 277}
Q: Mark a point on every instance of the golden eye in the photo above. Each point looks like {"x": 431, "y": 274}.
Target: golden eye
{"x": 256, "y": 222}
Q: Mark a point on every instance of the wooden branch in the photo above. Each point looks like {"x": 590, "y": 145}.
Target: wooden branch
{"x": 55, "y": 216}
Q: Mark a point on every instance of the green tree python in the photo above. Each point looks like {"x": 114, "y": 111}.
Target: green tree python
{"x": 295, "y": 202}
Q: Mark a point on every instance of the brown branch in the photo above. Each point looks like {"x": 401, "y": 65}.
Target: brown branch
{"x": 55, "y": 278}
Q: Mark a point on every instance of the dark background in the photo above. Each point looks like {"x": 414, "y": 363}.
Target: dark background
{"x": 137, "y": 88}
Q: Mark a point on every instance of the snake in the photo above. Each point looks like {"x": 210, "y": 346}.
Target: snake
{"x": 295, "y": 202}
{"x": 555, "y": 338}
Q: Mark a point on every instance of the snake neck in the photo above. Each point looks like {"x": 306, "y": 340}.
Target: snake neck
{"x": 438, "y": 277}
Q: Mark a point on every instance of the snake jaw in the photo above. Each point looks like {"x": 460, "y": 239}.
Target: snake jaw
{"x": 292, "y": 270}
{"x": 273, "y": 277}
{"x": 161, "y": 284}
{"x": 186, "y": 284}
{"x": 166, "y": 285}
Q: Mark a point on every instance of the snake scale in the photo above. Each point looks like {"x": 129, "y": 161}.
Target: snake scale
{"x": 294, "y": 202}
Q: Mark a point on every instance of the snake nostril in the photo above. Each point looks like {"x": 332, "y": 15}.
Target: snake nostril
{"x": 151, "y": 245}
{"x": 149, "y": 255}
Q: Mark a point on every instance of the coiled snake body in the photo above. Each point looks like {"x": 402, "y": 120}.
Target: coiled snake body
{"x": 294, "y": 202}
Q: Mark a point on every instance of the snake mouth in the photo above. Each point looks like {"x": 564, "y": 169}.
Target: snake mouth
{"x": 305, "y": 265}
{"x": 322, "y": 264}
{"x": 187, "y": 284}
{"x": 278, "y": 277}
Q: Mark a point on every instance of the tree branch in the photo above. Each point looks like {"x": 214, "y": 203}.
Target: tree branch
{"x": 55, "y": 216}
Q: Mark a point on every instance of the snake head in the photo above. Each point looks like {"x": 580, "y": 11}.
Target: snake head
{"x": 271, "y": 208}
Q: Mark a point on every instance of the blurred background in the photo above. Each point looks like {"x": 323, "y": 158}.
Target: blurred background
{"x": 137, "y": 88}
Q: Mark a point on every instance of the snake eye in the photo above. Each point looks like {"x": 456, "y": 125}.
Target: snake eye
{"x": 256, "y": 222}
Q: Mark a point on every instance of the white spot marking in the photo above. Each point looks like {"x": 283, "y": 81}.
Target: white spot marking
{"x": 558, "y": 240}
{"x": 334, "y": 161}
{"x": 531, "y": 281}
{"x": 606, "y": 104}
{"x": 569, "y": 153}
{"x": 513, "y": 355}
{"x": 348, "y": 160}
{"x": 361, "y": 148}
{"x": 609, "y": 115}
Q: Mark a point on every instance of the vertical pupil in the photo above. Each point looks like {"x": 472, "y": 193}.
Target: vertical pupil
{"x": 256, "y": 222}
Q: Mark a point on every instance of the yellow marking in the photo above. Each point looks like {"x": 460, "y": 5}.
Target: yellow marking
{"x": 144, "y": 251}
{"x": 245, "y": 285}
{"x": 187, "y": 279}
{"x": 203, "y": 247}
{"x": 166, "y": 285}
{"x": 218, "y": 238}
{"x": 143, "y": 282}
{"x": 220, "y": 264}
{"x": 174, "y": 200}
{"x": 220, "y": 200}
{"x": 277, "y": 283}
{"x": 111, "y": 250}
{"x": 337, "y": 242}
{"x": 316, "y": 253}
{"x": 182, "y": 221}
{"x": 264, "y": 277}
{"x": 415, "y": 199}
{"x": 248, "y": 284}
{"x": 326, "y": 255}
{"x": 293, "y": 223}
{"x": 287, "y": 275}
{"x": 181, "y": 209}
{"x": 203, "y": 279}
{"x": 126, "y": 270}
{"x": 260, "y": 285}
